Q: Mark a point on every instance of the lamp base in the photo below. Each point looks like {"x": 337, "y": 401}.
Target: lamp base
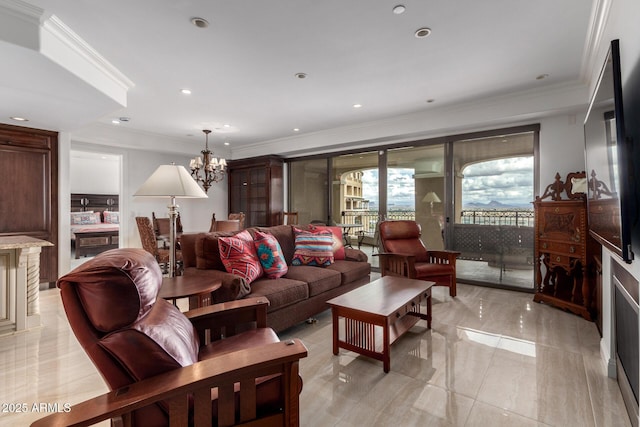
{"x": 173, "y": 214}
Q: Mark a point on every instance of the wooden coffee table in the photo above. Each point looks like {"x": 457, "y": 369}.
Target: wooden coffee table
{"x": 389, "y": 306}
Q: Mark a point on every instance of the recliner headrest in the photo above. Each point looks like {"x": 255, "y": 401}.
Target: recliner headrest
{"x": 392, "y": 230}
{"x": 117, "y": 287}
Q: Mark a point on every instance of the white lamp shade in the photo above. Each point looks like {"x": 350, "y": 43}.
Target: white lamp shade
{"x": 431, "y": 197}
{"x": 171, "y": 181}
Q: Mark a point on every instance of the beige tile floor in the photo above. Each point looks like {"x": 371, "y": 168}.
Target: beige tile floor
{"x": 492, "y": 358}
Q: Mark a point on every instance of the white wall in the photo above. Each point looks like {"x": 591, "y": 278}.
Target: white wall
{"x": 94, "y": 173}
{"x": 622, "y": 25}
{"x": 561, "y": 147}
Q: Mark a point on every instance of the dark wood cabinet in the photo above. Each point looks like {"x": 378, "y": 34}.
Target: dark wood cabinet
{"x": 256, "y": 188}
{"x": 562, "y": 248}
{"x": 29, "y": 190}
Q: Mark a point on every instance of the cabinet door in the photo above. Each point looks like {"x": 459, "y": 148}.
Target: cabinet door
{"x": 239, "y": 189}
{"x": 29, "y": 190}
{"x": 258, "y": 197}
{"x": 562, "y": 221}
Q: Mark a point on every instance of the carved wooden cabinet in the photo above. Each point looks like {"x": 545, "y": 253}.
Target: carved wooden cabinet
{"x": 562, "y": 248}
{"x": 256, "y": 188}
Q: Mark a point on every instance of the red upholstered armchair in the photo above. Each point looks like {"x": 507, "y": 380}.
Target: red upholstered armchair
{"x": 404, "y": 254}
{"x": 156, "y": 360}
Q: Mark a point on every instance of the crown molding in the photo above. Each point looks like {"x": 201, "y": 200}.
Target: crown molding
{"x": 22, "y": 10}
{"x": 51, "y": 38}
{"x": 57, "y": 29}
{"x": 595, "y": 32}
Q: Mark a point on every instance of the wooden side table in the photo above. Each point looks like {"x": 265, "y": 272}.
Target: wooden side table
{"x": 197, "y": 289}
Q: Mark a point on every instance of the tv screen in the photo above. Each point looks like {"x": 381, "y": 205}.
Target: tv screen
{"x": 606, "y": 157}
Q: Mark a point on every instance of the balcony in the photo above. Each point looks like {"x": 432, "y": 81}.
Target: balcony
{"x": 502, "y": 240}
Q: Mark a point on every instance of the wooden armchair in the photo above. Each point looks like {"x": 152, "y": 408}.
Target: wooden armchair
{"x": 149, "y": 243}
{"x": 404, "y": 254}
{"x": 227, "y": 225}
{"x": 166, "y": 368}
{"x": 161, "y": 227}
{"x": 289, "y": 218}
{"x": 239, "y": 216}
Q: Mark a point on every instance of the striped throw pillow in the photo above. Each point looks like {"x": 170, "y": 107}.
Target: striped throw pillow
{"x": 313, "y": 248}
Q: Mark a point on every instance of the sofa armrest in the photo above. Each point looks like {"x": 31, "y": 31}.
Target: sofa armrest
{"x": 197, "y": 380}
{"x": 225, "y": 319}
{"x": 233, "y": 286}
{"x": 351, "y": 254}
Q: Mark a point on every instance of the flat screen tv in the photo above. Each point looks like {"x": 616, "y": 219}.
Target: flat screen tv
{"x": 608, "y": 156}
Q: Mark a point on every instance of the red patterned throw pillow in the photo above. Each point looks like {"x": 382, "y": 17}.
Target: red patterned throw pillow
{"x": 338, "y": 245}
{"x": 313, "y": 248}
{"x": 239, "y": 256}
{"x": 270, "y": 255}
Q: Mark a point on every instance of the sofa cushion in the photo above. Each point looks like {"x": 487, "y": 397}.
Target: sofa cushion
{"x": 239, "y": 257}
{"x": 270, "y": 255}
{"x": 285, "y": 237}
{"x": 350, "y": 271}
{"x": 338, "y": 245}
{"x": 314, "y": 249}
{"x": 280, "y": 292}
{"x": 208, "y": 250}
{"x": 318, "y": 279}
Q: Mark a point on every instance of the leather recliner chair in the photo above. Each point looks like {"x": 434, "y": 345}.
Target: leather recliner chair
{"x": 404, "y": 254}
{"x": 131, "y": 336}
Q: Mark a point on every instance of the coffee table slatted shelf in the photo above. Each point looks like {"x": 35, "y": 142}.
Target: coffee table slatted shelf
{"x": 369, "y": 319}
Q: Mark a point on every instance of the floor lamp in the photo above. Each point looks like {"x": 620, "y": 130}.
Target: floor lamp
{"x": 431, "y": 198}
{"x": 171, "y": 181}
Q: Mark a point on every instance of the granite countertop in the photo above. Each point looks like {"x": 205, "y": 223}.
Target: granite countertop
{"x": 13, "y": 242}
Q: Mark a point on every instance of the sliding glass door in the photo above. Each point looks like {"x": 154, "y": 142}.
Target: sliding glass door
{"x": 470, "y": 194}
{"x": 308, "y": 190}
{"x": 416, "y": 189}
{"x": 492, "y": 226}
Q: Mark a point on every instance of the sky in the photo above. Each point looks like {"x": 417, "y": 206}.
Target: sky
{"x": 508, "y": 181}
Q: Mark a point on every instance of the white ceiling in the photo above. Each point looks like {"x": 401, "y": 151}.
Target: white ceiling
{"x": 241, "y": 69}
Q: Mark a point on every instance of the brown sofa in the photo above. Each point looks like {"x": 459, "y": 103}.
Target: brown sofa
{"x": 295, "y": 297}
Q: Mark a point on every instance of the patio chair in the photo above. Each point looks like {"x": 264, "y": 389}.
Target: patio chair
{"x": 404, "y": 254}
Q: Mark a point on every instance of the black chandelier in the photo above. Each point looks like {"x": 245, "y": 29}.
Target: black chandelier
{"x": 213, "y": 168}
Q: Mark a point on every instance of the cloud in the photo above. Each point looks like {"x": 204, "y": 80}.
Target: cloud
{"x": 508, "y": 181}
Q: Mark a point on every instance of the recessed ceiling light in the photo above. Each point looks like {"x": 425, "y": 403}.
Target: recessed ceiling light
{"x": 542, "y": 76}
{"x": 357, "y": 105}
{"x": 115, "y": 121}
{"x": 399, "y": 9}
{"x": 124, "y": 119}
{"x": 200, "y": 22}
{"x": 296, "y": 130}
{"x": 301, "y": 75}
{"x": 226, "y": 143}
{"x": 185, "y": 91}
{"x": 226, "y": 125}
{"x": 19, "y": 119}
{"x": 423, "y": 32}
